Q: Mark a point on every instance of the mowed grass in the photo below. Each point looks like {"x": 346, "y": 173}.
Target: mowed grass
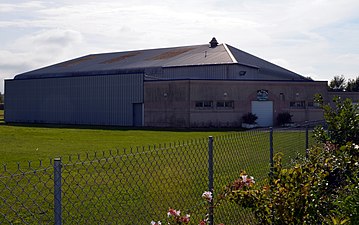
{"x": 114, "y": 189}
{"x": 22, "y": 144}
{"x": 1, "y": 117}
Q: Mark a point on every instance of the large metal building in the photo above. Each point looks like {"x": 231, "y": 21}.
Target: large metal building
{"x": 191, "y": 86}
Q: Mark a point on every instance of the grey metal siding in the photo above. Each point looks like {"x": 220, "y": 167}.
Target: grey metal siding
{"x": 220, "y": 72}
{"x": 93, "y": 100}
{"x": 197, "y": 72}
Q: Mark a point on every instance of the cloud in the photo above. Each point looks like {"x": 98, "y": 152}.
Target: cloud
{"x": 38, "y": 49}
{"x": 14, "y": 6}
{"x": 57, "y": 38}
{"x": 305, "y": 37}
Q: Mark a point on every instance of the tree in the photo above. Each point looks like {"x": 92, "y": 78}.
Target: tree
{"x": 338, "y": 83}
{"x": 353, "y": 85}
{"x": 342, "y": 121}
{"x": 1, "y": 98}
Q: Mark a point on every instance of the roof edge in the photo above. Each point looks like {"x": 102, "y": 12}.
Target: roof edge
{"x": 230, "y": 53}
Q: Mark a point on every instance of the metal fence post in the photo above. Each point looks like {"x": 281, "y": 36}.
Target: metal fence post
{"x": 306, "y": 141}
{"x": 271, "y": 161}
{"x": 210, "y": 179}
{"x": 57, "y": 191}
{"x": 271, "y": 151}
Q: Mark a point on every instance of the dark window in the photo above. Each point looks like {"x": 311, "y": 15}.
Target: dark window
{"x": 204, "y": 104}
{"x": 208, "y": 104}
{"x": 199, "y": 104}
{"x": 225, "y": 104}
{"x": 297, "y": 104}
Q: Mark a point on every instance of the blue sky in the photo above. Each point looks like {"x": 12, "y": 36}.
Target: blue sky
{"x": 317, "y": 38}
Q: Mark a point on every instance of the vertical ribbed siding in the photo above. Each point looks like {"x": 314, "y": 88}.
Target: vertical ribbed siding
{"x": 211, "y": 72}
{"x": 197, "y": 72}
{"x": 94, "y": 100}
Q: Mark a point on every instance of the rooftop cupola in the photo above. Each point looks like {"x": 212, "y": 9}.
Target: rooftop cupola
{"x": 213, "y": 43}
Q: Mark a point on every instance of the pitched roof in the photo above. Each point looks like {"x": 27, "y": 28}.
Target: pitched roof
{"x": 137, "y": 61}
{"x": 265, "y": 67}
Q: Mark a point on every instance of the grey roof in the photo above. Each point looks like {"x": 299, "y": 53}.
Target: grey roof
{"x": 264, "y": 67}
{"x": 138, "y": 61}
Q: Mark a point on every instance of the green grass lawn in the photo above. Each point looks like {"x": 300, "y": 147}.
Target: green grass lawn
{"x": 22, "y": 143}
{"x": 1, "y": 116}
{"x": 118, "y": 187}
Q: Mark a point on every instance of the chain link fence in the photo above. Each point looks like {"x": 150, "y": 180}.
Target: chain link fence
{"x": 138, "y": 185}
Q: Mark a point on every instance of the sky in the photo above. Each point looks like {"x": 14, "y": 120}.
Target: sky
{"x": 315, "y": 38}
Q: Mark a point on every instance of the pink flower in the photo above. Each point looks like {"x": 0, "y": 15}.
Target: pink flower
{"x": 244, "y": 178}
{"x": 173, "y": 212}
{"x": 207, "y": 195}
{"x": 185, "y": 219}
{"x": 247, "y": 180}
{"x": 202, "y": 222}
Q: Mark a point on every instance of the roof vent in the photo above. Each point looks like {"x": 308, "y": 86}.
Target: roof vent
{"x": 213, "y": 43}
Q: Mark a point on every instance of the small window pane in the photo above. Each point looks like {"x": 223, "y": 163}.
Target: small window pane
{"x": 199, "y": 104}
{"x": 225, "y": 104}
{"x": 297, "y": 104}
{"x": 204, "y": 104}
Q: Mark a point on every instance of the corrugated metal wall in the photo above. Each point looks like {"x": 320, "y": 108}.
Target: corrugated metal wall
{"x": 220, "y": 72}
{"x": 93, "y": 100}
{"x": 196, "y": 72}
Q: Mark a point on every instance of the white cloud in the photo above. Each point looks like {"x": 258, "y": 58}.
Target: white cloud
{"x": 27, "y": 5}
{"x": 317, "y": 38}
{"x": 57, "y": 38}
{"x": 37, "y": 50}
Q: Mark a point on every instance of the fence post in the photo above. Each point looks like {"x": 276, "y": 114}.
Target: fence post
{"x": 306, "y": 141}
{"x": 271, "y": 161}
{"x": 271, "y": 151}
{"x": 210, "y": 179}
{"x": 57, "y": 191}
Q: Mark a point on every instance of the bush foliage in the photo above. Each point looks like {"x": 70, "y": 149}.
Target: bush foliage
{"x": 320, "y": 188}
{"x": 249, "y": 118}
{"x": 284, "y": 118}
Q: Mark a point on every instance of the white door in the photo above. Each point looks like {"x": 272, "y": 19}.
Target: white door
{"x": 264, "y": 112}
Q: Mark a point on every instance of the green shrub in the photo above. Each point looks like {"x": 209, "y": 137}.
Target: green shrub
{"x": 249, "y": 118}
{"x": 308, "y": 192}
{"x": 284, "y": 118}
{"x": 321, "y": 188}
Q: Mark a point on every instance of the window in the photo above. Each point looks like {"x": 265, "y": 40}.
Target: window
{"x": 297, "y": 104}
{"x": 204, "y": 104}
{"x": 225, "y": 105}
{"x": 313, "y": 105}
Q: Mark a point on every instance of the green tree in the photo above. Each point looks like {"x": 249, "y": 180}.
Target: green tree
{"x": 353, "y": 85}
{"x": 338, "y": 83}
{"x": 342, "y": 121}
